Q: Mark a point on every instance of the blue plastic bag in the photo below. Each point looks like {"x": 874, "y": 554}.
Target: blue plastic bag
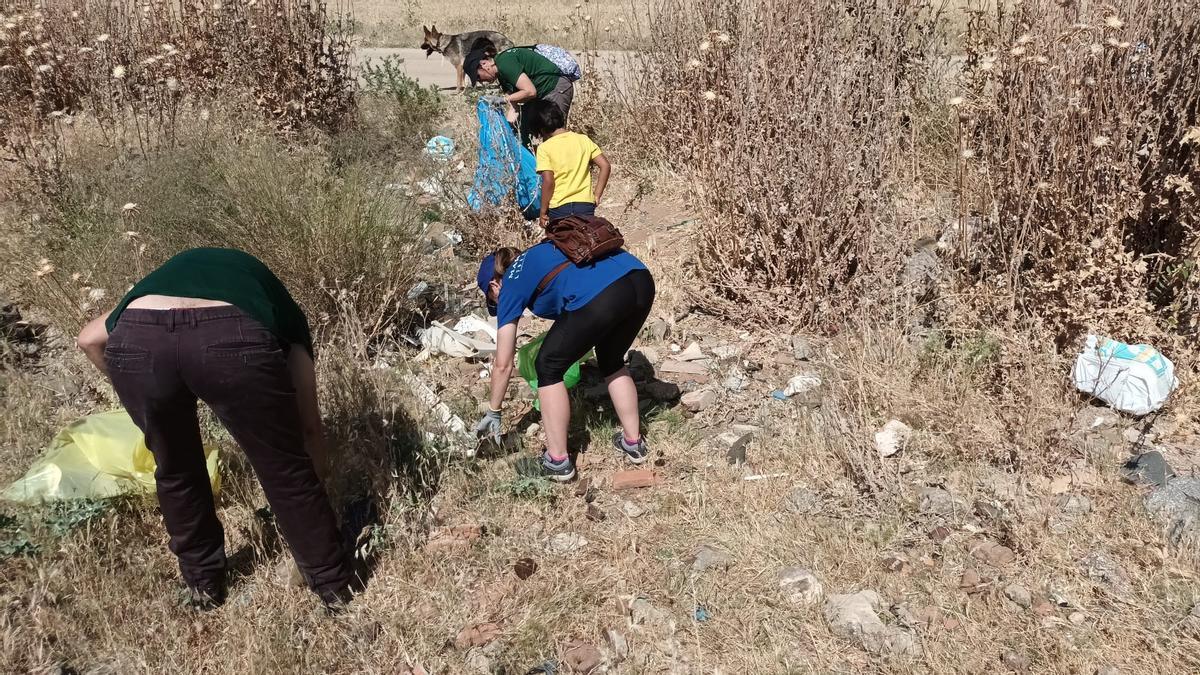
{"x": 505, "y": 166}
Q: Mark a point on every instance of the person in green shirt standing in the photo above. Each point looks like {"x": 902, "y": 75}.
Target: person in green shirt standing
{"x": 216, "y": 325}
{"x": 524, "y": 75}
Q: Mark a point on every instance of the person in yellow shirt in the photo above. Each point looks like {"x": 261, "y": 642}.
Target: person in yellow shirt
{"x": 564, "y": 160}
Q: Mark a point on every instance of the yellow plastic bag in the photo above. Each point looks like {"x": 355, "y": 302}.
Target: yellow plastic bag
{"x": 101, "y": 455}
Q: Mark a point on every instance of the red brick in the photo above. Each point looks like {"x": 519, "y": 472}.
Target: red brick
{"x": 635, "y": 478}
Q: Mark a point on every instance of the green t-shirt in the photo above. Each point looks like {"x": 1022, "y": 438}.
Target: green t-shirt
{"x": 226, "y": 275}
{"x": 510, "y": 63}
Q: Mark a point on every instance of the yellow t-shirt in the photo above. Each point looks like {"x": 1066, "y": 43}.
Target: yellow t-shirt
{"x": 569, "y": 155}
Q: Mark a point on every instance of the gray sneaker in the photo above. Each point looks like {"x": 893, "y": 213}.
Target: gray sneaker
{"x": 636, "y": 454}
{"x": 557, "y": 471}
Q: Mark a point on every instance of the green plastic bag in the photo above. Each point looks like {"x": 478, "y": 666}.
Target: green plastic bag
{"x": 527, "y": 357}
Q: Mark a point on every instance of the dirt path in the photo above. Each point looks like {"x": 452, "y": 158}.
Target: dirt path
{"x": 438, "y": 71}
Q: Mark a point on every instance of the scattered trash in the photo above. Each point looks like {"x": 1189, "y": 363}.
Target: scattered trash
{"x": 1148, "y": 467}
{"x": 854, "y": 616}
{"x": 442, "y": 413}
{"x": 779, "y": 395}
{"x": 440, "y": 147}
{"x": 701, "y": 614}
{"x": 692, "y": 353}
{"x": 892, "y": 438}
{"x": 802, "y": 384}
{"x": 439, "y": 339}
{"x": 1136, "y": 379}
{"x": 527, "y": 358}
{"x": 98, "y": 456}
{"x": 736, "y": 382}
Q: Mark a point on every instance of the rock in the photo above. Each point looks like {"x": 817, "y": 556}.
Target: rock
{"x": 582, "y": 657}
{"x": 736, "y": 454}
{"x": 707, "y": 557}
{"x": 801, "y": 349}
{"x": 892, "y": 438}
{"x": 565, "y": 543}
{"x": 1077, "y": 618}
{"x": 457, "y": 536}
{"x": 1177, "y": 508}
{"x": 939, "y": 502}
{"x": 893, "y": 563}
{"x": 288, "y": 575}
{"x": 525, "y": 568}
{"x": 1073, "y": 505}
{"x": 658, "y": 329}
{"x": 1019, "y": 595}
{"x": 1094, "y": 418}
{"x": 988, "y": 511}
{"x": 1107, "y": 670}
{"x": 617, "y": 644}
{"x": 698, "y": 400}
{"x": 854, "y": 616}
{"x": 658, "y": 390}
{"x": 476, "y": 635}
{"x": 1148, "y": 468}
{"x": 1042, "y": 607}
{"x": 684, "y": 367}
{"x": 632, "y": 510}
{"x": 737, "y": 381}
{"x": 940, "y": 534}
{"x": 583, "y": 487}
{"x": 651, "y": 355}
{"x": 1138, "y": 436}
{"x": 971, "y": 582}
{"x": 725, "y": 352}
{"x": 800, "y": 586}
{"x": 1100, "y": 567}
{"x": 1014, "y": 661}
{"x": 691, "y": 353}
{"x": 803, "y": 501}
{"x": 479, "y": 663}
{"x": 632, "y": 479}
{"x": 802, "y": 384}
{"x": 992, "y": 553}
{"x": 595, "y": 513}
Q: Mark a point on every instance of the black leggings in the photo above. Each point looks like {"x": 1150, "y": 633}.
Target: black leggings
{"x": 610, "y": 322}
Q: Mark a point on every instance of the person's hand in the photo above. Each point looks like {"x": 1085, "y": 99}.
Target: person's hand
{"x": 544, "y": 220}
{"x": 511, "y": 114}
{"x": 489, "y": 426}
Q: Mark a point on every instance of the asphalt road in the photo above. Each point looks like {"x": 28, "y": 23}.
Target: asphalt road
{"x": 436, "y": 70}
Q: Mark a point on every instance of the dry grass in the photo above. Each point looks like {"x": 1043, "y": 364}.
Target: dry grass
{"x": 592, "y": 24}
{"x": 988, "y": 399}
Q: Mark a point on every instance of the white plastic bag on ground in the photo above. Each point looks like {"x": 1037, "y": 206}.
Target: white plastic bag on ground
{"x": 1136, "y": 379}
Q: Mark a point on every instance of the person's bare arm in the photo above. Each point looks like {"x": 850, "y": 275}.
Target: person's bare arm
{"x": 525, "y": 91}
{"x": 304, "y": 379}
{"x": 547, "y": 195}
{"x": 605, "y": 170}
{"x": 502, "y": 366}
{"x": 93, "y": 339}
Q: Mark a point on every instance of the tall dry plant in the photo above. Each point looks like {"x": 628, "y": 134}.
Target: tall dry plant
{"x": 134, "y": 68}
{"x": 1079, "y": 133}
{"x": 791, "y": 123}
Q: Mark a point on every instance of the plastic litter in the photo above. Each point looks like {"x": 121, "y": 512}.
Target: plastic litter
{"x": 98, "y": 456}
{"x": 505, "y": 166}
{"x": 439, "y": 339}
{"x": 892, "y": 438}
{"x": 527, "y": 357}
{"x": 440, "y": 147}
{"x": 1135, "y": 379}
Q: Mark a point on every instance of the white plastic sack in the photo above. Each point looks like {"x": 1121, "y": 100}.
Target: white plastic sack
{"x": 1136, "y": 379}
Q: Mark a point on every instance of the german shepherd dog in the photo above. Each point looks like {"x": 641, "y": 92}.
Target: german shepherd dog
{"x": 456, "y": 47}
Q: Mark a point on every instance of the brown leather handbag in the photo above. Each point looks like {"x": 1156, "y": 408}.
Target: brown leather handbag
{"x": 583, "y": 239}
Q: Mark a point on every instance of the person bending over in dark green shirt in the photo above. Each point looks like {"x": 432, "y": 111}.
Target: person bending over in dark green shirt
{"x": 216, "y": 325}
{"x": 524, "y": 75}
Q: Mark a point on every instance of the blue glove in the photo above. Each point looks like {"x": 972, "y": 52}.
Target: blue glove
{"x": 489, "y": 426}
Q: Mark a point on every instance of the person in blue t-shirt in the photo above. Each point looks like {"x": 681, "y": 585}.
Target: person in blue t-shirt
{"x": 601, "y": 305}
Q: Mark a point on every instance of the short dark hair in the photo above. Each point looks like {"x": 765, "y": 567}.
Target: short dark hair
{"x": 472, "y": 61}
{"x": 543, "y": 118}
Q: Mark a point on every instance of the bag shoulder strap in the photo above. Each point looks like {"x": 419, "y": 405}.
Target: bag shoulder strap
{"x": 550, "y": 277}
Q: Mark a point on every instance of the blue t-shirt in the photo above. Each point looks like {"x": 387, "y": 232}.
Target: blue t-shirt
{"x": 573, "y": 288}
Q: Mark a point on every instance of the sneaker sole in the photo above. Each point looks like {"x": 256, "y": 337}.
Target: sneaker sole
{"x": 560, "y": 478}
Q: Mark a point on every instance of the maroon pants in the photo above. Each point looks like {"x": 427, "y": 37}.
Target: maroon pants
{"x": 160, "y": 363}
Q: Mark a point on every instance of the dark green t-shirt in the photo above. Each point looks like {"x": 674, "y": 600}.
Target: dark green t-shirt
{"x": 226, "y": 275}
{"x": 510, "y": 63}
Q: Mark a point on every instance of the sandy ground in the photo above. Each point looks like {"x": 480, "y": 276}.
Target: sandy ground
{"x": 438, "y": 71}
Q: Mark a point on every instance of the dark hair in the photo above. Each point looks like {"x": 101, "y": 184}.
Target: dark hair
{"x": 473, "y": 59}
{"x": 543, "y": 118}
{"x": 504, "y": 257}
